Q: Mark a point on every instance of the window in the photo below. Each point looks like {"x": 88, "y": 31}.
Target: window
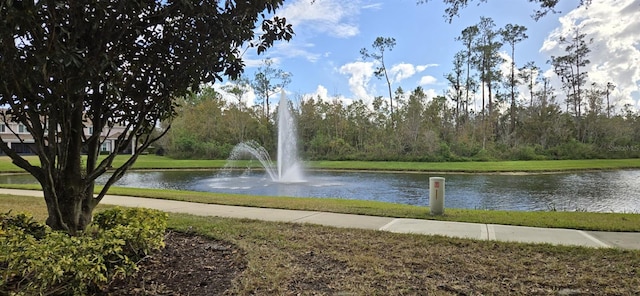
{"x": 105, "y": 147}
{"x": 2, "y": 128}
{"x": 91, "y": 130}
{"x": 22, "y": 129}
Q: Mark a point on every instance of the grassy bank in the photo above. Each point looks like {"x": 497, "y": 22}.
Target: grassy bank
{"x": 551, "y": 219}
{"x": 290, "y": 259}
{"x": 143, "y": 162}
{"x": 534, "y": 166}
{"x": 160, "y": 162}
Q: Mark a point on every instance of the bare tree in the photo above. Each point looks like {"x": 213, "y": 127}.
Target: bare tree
{"x": 380, "y": 45}
{"x": 529, "y": 74}
{"x": 456, "y": 83}
{"x": 467, "y": 37}
{"x": 512, "y": 34}
{"x": 610, "y": 87}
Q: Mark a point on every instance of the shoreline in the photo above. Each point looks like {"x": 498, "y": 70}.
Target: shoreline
{"x": 386, "y": 171}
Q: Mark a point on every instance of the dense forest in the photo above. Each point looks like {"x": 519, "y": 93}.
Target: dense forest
{"x": 577, "y": 121}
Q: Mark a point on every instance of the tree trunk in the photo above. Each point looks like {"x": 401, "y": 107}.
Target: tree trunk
{"x": 69, "y": 209}
{"x": 69, "y": 200}
{"x": 390, "y": 94}
{"x": 513, "y": 92}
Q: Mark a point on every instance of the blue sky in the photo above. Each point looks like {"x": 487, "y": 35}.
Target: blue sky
{"x": 324, "y": 55}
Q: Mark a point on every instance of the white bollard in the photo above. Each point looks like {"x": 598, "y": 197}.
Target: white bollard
{"x": 436, "y": 195}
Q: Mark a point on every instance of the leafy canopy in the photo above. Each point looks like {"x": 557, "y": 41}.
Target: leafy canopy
{"x": 68, "y": 65}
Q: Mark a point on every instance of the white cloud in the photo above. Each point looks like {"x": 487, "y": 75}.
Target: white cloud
{"x": 431, "y": 93}
{"x": 252, "y": 63}
{"x": 373, "y": 6}
{"x": 255, "y": 63}
{"x": 421, "y": 68}
{"x": 248, "y": 98}
{"x": 332, "y": 17}
{"x": 505, "y": 66}
{"x": 402, "y": 71}
{"x": 360, "y": 74}
{"x": 322, "y": 94}
{"x": 292, "y": 50}
{"x": 426, "y": 80}
{"x": 613, "y": 25}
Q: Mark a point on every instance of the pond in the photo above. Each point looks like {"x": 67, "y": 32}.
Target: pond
{"x": 606, "y": 191}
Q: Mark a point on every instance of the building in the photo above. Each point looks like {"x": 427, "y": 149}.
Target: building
{"x": 18, "y": 138}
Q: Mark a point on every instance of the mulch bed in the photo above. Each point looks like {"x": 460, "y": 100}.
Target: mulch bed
{"x": 188, "y": 265}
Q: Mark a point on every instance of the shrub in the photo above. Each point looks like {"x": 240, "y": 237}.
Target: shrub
{"x": 526, "y": 153}
{"x": 444, "y": 152}
{"x": 23, "y": 222}
{"x": 574, "y": 150}
{"x": 37, "y": 261}
{"x": 483, "y": 155}
{"x": 142, "y": 229}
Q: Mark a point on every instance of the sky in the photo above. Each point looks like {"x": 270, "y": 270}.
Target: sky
{"x": 324, "y": 54}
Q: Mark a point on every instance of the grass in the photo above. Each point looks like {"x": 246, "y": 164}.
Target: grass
{"x": 143, "y": 162}
{"x": 537, "y": 166}
{"x": 290, "y": 259}
{"x": 483, "y": 167}
{"x": 287, "y": 259}
{"x": 35, "y": 206}
{"x": 552, "y": 219}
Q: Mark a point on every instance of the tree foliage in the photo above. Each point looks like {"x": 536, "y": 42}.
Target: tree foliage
{"x": 268, "y": 81}
{"x": 570, "y": 68}
{"x": 427, "y": 130}
{"x": 66, "y": 65}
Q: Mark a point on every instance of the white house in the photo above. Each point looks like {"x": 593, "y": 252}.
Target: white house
{"x": 18, "y": 138}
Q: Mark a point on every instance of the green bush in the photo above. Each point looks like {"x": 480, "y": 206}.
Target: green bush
{"x": 483, "y": 155}
{"x": 526, "y": 153}
{"x": 466, "y": 149}
{"x": 37, "y": 261}
{"x": 142, "y": 229}
{"x": 444, "y": 152}
{"x": 573, "y": 150}
{"x": 23, "y": 222}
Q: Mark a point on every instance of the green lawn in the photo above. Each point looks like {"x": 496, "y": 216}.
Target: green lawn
{"x": 161, "y": 162}
{"x": 483, "y": 167}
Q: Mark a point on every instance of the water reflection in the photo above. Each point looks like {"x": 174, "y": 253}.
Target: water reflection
{"x": 610, "y": 191}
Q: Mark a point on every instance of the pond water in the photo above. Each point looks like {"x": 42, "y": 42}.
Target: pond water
{"x": 607, "y": 191}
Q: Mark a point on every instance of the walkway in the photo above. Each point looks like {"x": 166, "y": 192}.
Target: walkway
{"x": 480, "y": 231}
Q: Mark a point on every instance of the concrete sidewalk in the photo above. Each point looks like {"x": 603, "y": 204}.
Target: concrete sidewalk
{"x": 479, "y": 231}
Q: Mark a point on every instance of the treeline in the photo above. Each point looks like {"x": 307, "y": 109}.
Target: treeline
{"x": 481, "y": 117}
{"x": 421, "y": 129}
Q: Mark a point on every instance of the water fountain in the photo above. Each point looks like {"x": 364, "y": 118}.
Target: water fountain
{"x": 287, "y": 168}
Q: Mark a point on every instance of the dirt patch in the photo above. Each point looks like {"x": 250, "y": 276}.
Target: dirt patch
{"x": 188, "y": 265}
